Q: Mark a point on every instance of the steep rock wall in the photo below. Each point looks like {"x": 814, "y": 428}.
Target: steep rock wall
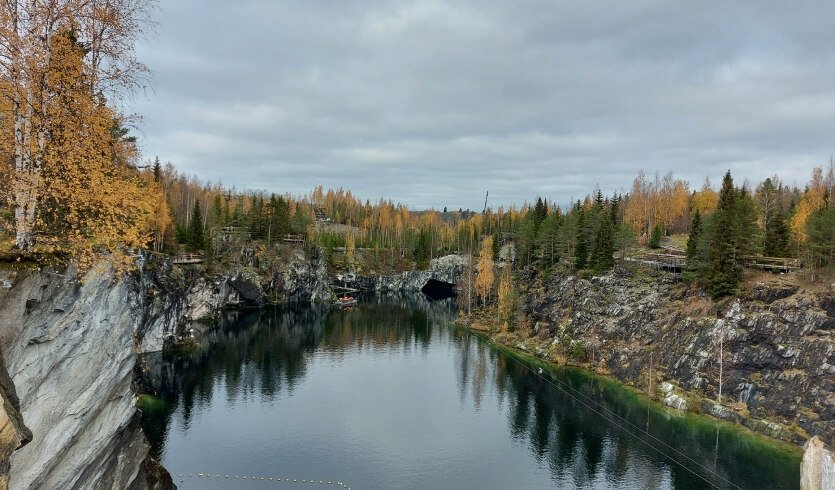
{"x": 69, "y": 348}
{"x": 777, "y": 344}
{"x": 13, "y": 432}
{"x": 448, "y": 269}
{"x": 175, "y": 300}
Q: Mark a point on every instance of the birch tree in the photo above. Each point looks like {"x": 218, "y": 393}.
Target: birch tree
{"x": 105, "y": 31}
{"x": 484, "y": 279}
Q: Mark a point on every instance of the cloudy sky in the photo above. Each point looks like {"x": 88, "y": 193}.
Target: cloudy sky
{"x": 431, "y": 103}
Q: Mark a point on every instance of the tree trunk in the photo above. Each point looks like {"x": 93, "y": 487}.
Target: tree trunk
{"x": 26, "y": 175}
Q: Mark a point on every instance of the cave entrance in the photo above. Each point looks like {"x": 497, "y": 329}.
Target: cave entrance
{"x": 436, "y": 290}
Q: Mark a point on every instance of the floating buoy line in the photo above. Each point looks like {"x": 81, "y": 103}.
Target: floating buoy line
{"x": 291, "y": 481}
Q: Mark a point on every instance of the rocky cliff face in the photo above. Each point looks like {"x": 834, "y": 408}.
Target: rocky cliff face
{"x": 447, "y": 269}
{"x": 13, "y": 432}
{"x": 70, "y": 351}
{"x": 174, "y": 301}
{"x": 777, "y": 345}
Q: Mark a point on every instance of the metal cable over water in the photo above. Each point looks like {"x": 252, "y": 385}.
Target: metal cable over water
{"x": 641, "y": 430}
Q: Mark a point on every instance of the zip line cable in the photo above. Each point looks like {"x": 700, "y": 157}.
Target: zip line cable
{"x": 593, "y": 409}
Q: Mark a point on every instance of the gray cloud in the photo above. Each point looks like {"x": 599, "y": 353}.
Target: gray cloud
{"x": 433, "y": 102}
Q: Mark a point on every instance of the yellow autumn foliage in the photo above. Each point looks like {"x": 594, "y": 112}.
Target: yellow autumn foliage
{"x": 506, "y": 297}
{"x": 484, "y": 277}
{"x": 705, "y": 200}
{"x": 91, "y": 201}
{"x": 813, "y": 199}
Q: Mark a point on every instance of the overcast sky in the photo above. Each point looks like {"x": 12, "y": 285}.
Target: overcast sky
{"x": 431, "y": 103}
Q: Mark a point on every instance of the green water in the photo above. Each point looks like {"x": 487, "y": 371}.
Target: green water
{"x": 391, "y": 395}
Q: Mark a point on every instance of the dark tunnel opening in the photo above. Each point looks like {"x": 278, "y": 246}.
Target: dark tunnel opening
{"x": 436, "y": 290}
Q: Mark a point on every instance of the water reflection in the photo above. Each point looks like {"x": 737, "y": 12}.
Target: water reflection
{"x": 570, "y": 433}
{"x": 587, "y": 429}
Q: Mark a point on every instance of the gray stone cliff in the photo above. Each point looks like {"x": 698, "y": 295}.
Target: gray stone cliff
{"x": 70, "y": 350}
{"x": 777, "y": 345}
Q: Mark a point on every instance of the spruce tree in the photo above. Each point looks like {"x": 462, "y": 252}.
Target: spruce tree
{"x": 540, "y": 211}
{"x": 581, "y": 251}
{"x": 747, "y": 239}
{"x": 721, "y": 277}
{"x": 256, "y": 219}
{"x": 614, "y": 211}
{"x": 195, "y": 236}
{"x": 655, "y": 237}
{"x": 217, "y": 211}
{"x": 604, "y": 246}
{"x": 776, "y": 243}
{"x": 157, "y": 168}
{"x": 695, "y": 235}
{"x": 422, "y": 249}
{"x": 820, "y": 244}
{"x": 693, "y": 241}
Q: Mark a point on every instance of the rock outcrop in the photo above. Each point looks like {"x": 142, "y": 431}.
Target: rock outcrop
{"x": 13, "y": 432}
{"x": 173, "y": 301}
{"x": 69, "y": 348}
{"x": 447, "y": 269}
{"x": 777, "y": 345}
{"x": 817, "y": 470}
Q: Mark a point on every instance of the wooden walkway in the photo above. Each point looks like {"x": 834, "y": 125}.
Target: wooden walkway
{"x": 773, "y": 264}
{"x": 184, "y": 259}
{"x": 674, "y": 262}
{"x": 293, "y": 238}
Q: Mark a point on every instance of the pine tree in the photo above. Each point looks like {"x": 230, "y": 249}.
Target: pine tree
{"x": 527, "y": 239}
{"x": 721, "y": 277}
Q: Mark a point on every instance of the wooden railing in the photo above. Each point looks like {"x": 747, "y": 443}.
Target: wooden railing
{"x": 676, "y": 262}
{"x": 782, "y": 264}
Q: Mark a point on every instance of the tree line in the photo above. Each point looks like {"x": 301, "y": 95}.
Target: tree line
{"x": 78, "y": 185}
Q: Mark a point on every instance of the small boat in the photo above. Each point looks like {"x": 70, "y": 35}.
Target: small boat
{"x": 346, "y": 301}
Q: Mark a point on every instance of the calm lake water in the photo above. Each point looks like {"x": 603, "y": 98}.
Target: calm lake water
{"x": 390, "y": 395}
